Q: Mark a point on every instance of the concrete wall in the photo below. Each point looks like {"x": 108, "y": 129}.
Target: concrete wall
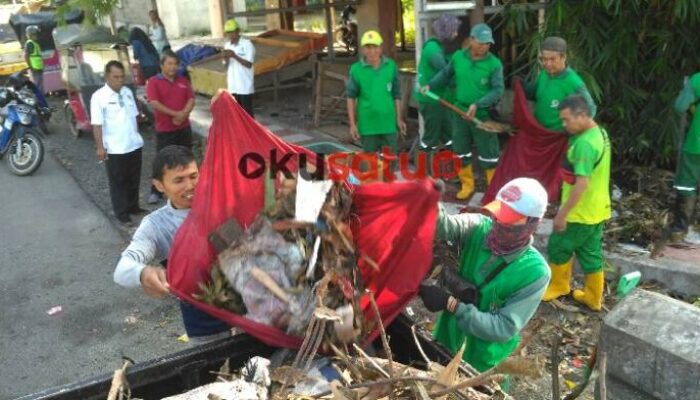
{"x": 133, "y": 12}
{"x": 180, "y": 17}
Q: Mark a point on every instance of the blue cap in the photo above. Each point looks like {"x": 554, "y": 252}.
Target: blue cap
{"x": 482, "y": 33}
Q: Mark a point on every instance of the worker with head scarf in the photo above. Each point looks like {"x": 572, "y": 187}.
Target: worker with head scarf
{"x": 500, "y": 279}
{"x": 437, "y": 121}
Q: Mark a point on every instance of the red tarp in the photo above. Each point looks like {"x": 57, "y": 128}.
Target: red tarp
{"x": 394, "y": 226}
{"x": 533, "y": 152}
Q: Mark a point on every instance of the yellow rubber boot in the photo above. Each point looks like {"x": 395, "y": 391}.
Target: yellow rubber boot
{"x": 489, "y": 175}
{"x": 592, "y": 293}
{"x": 560, "y": 285}
{"x": 466, "y": 177}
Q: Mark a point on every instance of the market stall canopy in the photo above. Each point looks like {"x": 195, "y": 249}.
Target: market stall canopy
{"x": 70, "y": 35}
{"x": 46, "y": 21}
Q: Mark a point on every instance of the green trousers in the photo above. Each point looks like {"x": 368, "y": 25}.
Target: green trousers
{"x": 375, "y": 143}
{"x": 465, "y": 134}
{"x": 687, "y": 175}
{"x": 583, "y": 240}
{"x": 437, "y": 125}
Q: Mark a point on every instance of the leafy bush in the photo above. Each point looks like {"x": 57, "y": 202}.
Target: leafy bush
{"x": 633, "y": 56}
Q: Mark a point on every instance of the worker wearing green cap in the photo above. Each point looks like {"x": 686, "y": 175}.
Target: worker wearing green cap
{"x": 437, "y": 120}
{"x": 239, "y": 54}
{"x": 555, "y": 82}
{"x": 478, "y": 76}
{"x": 374, "y": 97}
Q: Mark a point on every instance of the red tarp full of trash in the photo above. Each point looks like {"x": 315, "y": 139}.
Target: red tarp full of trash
{"x": 395, "y": 222}
{"x": 533, "y": 152}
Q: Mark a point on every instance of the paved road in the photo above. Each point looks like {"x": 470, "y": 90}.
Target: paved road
{"x": 58, "y": 248}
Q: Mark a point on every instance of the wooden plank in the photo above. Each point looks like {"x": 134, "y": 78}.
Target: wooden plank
{"x": 318, "y": 94}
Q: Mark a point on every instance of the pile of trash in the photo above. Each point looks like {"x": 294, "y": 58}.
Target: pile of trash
{"x": 345, "y": 377}
{"x": 640, "y": 206}
{"x": 294, "y": 268}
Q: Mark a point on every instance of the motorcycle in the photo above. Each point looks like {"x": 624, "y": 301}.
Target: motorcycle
{"x": 29, "y": 94}
{"x": 20, "y": 140}
{"x": 347, "y": 32}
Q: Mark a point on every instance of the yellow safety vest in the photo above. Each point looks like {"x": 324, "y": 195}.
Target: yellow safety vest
{"x": 35, "y": 60}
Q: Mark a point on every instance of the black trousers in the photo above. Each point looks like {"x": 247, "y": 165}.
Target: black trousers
{"x": 180, "y": 137}
{"x": 246, "y": 101}
{"x": 124, "y": 174}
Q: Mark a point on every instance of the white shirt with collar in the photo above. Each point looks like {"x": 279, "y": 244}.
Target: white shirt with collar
{"x": 240, "y": 79}
{"x": 116, "y": 113}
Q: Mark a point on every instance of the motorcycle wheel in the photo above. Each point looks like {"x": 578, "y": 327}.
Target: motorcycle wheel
{"x": 72, "y": 121}
{"x": 30, "y": 156}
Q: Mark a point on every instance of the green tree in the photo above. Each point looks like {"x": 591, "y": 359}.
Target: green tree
{"x": 633, "y": 55}
{"x": 95, "y": 10}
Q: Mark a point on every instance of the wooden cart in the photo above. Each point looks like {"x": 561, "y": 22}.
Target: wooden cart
{"x": 280, "y": 56}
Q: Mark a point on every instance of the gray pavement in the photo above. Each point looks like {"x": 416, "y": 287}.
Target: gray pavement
{"x": 59, "y": 249}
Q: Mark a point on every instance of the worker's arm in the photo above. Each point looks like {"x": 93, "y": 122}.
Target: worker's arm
{"x": 687, "y": 97}
{"x": 576, "y": 193}
{"x": 396, "y": 93}
{"x": 583, "y": 159}
{"x": 97, "y": 121}
{"x": 27, "y": 52}
{"x": 505, "y": 322}
{"x": 456, "y": 228}
{"x": 437, "y": 60}
{"x": 352, "y": 90}
{"x": 248, "y": 63}
{"x": 583, "y": 91}
{"x": 442, "y": 78}
{"x": 133, "y": 269}
{"x": 163, "y": 109}
{"x": 496, "y": 92}
{"x": 530, "y": 87}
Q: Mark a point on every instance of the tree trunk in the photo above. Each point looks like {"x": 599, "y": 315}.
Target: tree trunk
{"x": 476, "y": 15}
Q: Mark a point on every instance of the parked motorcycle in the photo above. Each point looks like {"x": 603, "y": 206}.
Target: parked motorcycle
{"x": 20, "y": 139}
{"x": 29, "y": 94}
{"x": 347, "y": 32}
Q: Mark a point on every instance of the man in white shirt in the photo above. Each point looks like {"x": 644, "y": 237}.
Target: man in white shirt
{"x": 113, "y": 115}
{"x": 239, "y": 53}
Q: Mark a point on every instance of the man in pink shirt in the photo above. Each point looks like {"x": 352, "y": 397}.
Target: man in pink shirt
{"x": 172, "y": 99}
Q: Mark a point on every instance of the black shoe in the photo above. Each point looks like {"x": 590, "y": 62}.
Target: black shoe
{"x": 125, "y": 221}
{"x": 138, "y": 210}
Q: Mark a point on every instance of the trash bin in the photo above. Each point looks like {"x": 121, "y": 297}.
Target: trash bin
{"x": 327, "y": 148}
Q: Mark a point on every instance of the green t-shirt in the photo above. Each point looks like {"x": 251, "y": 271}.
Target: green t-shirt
{"x": 432, "y": 61}
{"x": 589, "y": 156}
{"x": 375, "y": 91}
{"x": 477, "y": 82}
{"x": 688, "y": 97}
{"x": 551, "y": 90}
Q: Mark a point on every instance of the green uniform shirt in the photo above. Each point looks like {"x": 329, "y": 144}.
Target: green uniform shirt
{"x": 691, "y": 95}
{"x": 507, "y": 303}
{"x": 548, "y": 91}
{"x": 477, "y": 82}
{"x": 375, "y": 91}
{"x": 589, "y": 155}
{"x": 432, "y": 61}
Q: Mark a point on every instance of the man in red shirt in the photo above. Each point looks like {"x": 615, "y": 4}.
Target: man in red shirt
{"x": 172, "y": 99}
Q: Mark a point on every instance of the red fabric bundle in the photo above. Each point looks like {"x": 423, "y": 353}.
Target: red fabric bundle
{"x": 533, "y": 152}
{"x": 394, "y": 225}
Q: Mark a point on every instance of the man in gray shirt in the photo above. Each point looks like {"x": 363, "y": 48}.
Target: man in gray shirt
{"x": 175, "y": 174}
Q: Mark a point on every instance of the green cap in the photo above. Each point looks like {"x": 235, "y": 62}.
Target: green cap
{"x": 482, "y": 33}
{"x": 230, "y": 26}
